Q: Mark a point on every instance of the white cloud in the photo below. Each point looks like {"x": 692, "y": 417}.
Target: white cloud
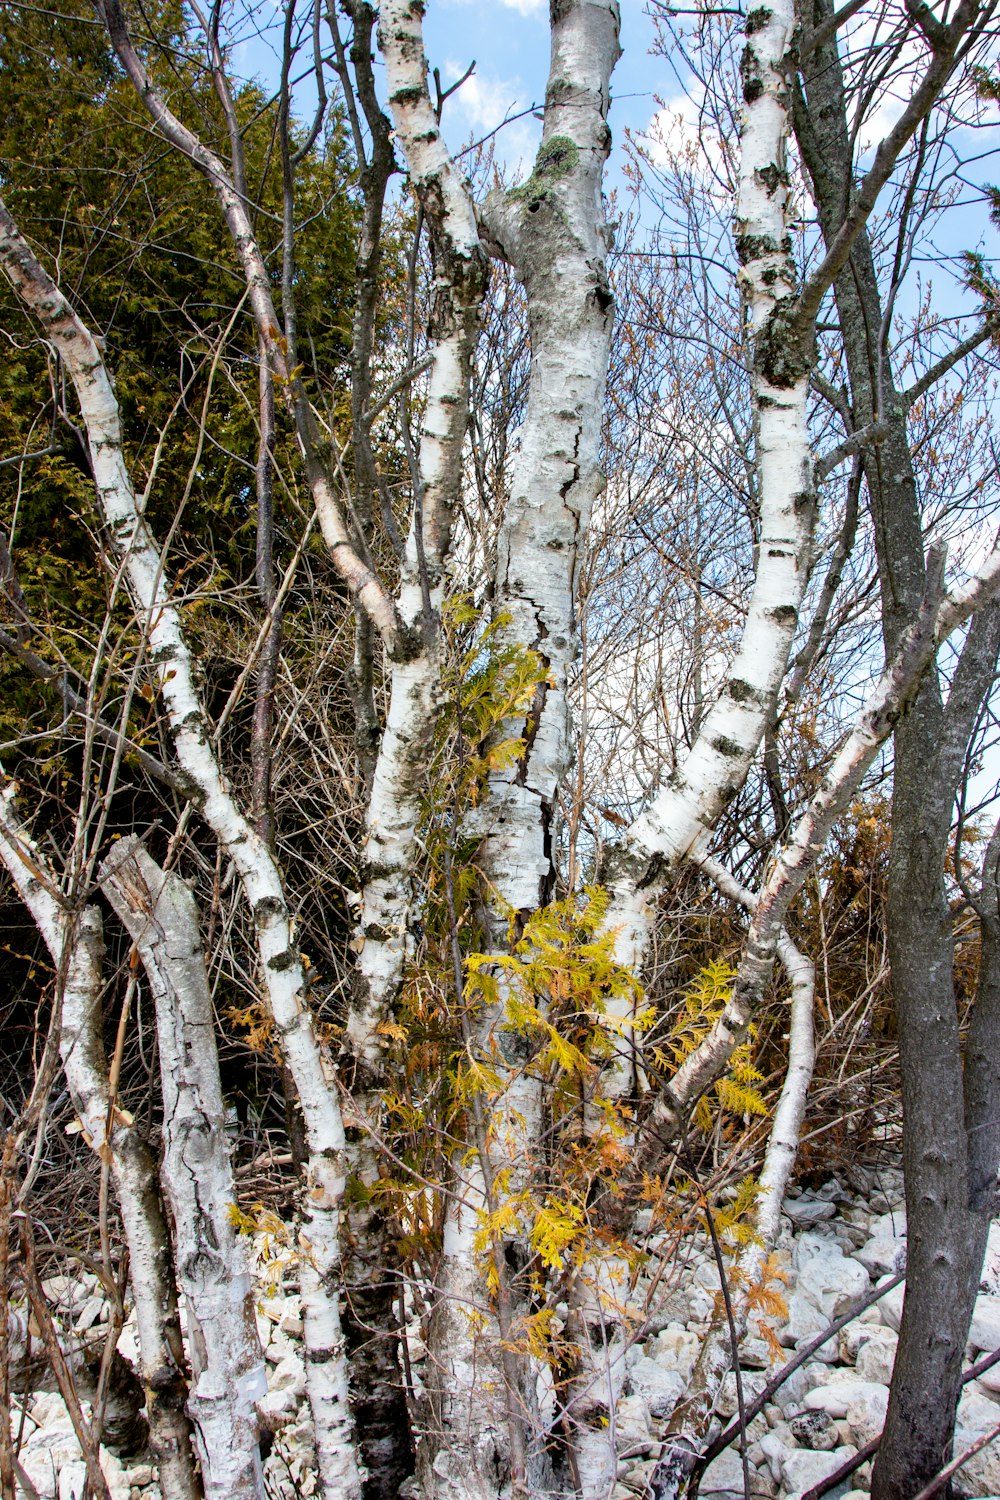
{"x": 484, "y": 103}
{"x": 681, "y": 133}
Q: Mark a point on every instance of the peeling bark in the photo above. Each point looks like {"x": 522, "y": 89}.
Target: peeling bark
{"x": 280, "y": 963}
{"x": 552, "y": 230}
{"x": 161, "y": 917}
{"x": 76, "y": 944}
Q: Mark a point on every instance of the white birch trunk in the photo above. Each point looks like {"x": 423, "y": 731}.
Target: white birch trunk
{"x": 688, "y": 806}
{"x": 280, "y": 963}
{"x": 75, "y": 942}
{"x": 731, "y": 732}
{"x": 553, "y": 231}
{"x": 160, "y": 915}
{"x": 888, "y": 700}
{"x": 415, "y": 694}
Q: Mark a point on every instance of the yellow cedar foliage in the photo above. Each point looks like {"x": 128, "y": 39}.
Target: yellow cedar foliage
{"x": 702, "y": 1003}
{"x": 556, "y": 984}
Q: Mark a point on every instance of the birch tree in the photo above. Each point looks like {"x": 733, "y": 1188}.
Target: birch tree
{"x": 466, "y": 911}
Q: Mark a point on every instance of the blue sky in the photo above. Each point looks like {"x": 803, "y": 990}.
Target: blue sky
{"x": 509, "y": 40}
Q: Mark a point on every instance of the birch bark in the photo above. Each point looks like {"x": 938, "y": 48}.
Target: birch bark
{"x": 886, "y": 705}
{"x": 553, "y": 232}
{"x": 399, "y": 781}
{"x": 415, "y": 694}
{"x": 280, "y": 963}
{"x": 160, "y": 915}
{"x": 76, "y": 944}
{"x": 779, "y": 344}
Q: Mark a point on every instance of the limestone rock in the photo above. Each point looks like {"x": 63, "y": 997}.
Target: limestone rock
{"x": 807, "y": 1210}
{"x": 826, "y": 1274}
{"x": 877, "y": 1356}
{"x": 674, "y": 1349}
{"x": 981, "y": 1475}
{"x": 726, "y": 1403}
{"x": 866, "y": 1415}
{"x": 891, "y": 1306}
{"x": 803, "y": 1469}
{"x": 661, "y": 1389}
{"x": 984, "y": 1332}
{"x": 838, "y": 1395}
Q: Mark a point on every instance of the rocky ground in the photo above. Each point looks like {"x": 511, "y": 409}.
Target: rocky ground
{"x": 837, "y": 1243}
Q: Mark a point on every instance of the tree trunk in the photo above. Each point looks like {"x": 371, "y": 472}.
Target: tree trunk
{"x": 159, "y": 913}
{"x": 113, "y": 1136}
{"x": 946, "y": 1231}
{"x": 552, "y": 230}
{"x": 280, "y": 962}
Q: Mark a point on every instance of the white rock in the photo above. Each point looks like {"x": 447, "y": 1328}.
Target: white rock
{"x": 891, "y": 1306}
{"x": 53, "y": 1451}
{"x": 706, "y": 1274}
{"x": 827, "y": 1354}
{"x": 48, "y": 1411}
{"x": 756, "y": 1354}
{"x": 889, "y": 1226}
{"x": 977, "y": 1414}
{"x": 632, "y": 1424}
{"x": 856, "y": 1333}
{"x": 662, "y": 1389}
{"x": 801, "y": 1470}
{"x": 866, "y": 1416}
{"x": 724, "y": 1475}
{"x": 877, "y": 1356}
{"x": 277, "y": 1408}
{"x": 280, "y": 1347}
{"x": 700, "y": 1306}
{"x": 790, "y": 1395}
{"x": 984, "y": 1332}
{"x": 805, "y": 1319}
{"x": 826, "y": 1274}
{"x": 837, "y": 1395}
{"x": 59, "y": 1290}
{"x": 289, "y": 1375}
{"x": 72, "y": 1481}
{"x": 726, "y": 1403}
{"x": 990, "y": 1380}
{"x": 777, "y": 1446}
{"x": 804, "y": 1211}
{"x": 990, "y": 1280}
{"x": 89, "y": 1314}
{"x": 881, "y": 1257}
{"x": 675, "y": 1349}
{"x": 43, "y": 1465}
